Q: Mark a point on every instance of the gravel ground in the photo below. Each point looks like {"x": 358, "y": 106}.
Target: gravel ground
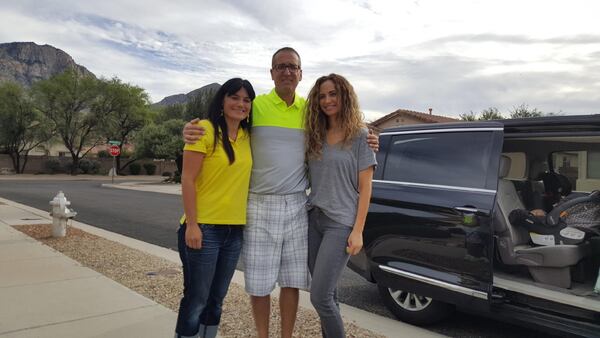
{"x": 161, "y": 281}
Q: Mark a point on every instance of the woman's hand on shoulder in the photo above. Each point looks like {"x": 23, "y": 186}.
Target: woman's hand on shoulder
{"x": 193, "y": 236}
{"x": 355, "y": 242}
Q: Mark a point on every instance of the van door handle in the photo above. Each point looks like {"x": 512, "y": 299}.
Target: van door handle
{"x": 467, "y": 209}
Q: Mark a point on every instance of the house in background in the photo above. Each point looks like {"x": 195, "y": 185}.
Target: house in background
{"x": 403, "y": 117}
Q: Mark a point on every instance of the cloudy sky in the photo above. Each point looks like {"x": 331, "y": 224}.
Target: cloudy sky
{"x": 453, "y": 56}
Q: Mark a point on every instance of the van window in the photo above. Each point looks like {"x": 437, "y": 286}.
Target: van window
{"x": 454, "y": 159}
{"x": 582, "y": 168}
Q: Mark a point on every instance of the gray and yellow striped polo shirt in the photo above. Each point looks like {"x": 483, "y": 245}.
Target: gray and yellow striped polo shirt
{"x": 277, "y": 146}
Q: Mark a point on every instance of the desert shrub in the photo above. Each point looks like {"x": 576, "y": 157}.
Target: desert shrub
{"x": 150, "y": 168}
{"x": 135, "y": 168}
{"x": 95, "y": 169}
{"x": 52, "y": 166}
{"x": 89, "y": 166}
{"x": 69, "y": 166}
{"x": 85, "y": 165}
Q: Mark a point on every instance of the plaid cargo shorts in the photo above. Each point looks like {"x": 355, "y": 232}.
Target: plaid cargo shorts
{"x": 275, "y": 245}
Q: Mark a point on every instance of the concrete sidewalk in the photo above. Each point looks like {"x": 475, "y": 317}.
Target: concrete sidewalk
{"x": 46, "y": 294}
{"x": 51, "y": 295}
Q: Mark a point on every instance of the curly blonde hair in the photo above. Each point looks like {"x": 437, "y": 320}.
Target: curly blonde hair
{"x": 315, "y": 121}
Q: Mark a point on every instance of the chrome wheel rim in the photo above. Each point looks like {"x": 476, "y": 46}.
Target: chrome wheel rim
{"x": 409, "y": 301}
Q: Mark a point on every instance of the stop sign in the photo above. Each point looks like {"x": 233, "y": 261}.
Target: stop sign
{"x": 114, "y": 150}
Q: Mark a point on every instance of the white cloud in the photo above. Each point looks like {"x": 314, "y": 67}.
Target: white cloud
{"x": 452, "y": 56}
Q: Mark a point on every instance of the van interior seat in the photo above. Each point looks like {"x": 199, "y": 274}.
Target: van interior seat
{"x": 524, "y": 189}
{"x": 546, "y": 264}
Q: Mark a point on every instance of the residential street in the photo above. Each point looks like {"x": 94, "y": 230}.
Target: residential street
{"x": 152, "y": 217}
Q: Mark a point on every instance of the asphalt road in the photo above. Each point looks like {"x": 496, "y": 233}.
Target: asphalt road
{"x": 153, "y": 218}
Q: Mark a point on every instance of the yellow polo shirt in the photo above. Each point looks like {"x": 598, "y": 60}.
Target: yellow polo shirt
{"x": 271, "y": 111}
{"x": 221, "y": 188}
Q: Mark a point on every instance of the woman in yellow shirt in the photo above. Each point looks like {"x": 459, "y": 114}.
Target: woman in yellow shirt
{"x": 214, "y": 182}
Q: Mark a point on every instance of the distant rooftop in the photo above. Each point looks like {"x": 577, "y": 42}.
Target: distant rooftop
{"x": 425, "y": 117}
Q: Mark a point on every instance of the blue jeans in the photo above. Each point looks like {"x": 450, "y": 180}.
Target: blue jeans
{"x": 206, "y": 276}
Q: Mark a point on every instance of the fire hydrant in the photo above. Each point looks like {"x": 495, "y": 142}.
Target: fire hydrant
{"x": 60, "y": 214}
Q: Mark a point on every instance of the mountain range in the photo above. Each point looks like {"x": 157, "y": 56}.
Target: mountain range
{"x": 184, "y": 98}
{"x": 28, "y": 62}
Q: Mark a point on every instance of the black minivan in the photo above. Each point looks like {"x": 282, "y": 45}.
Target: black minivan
{"x": 439, "y": 234}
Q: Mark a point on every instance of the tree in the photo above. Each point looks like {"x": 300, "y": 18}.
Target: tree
{"x": 66, "y": 100}
{"x": 174, "y": 111}
{"x": 126, "y": 109}
{"x": 160, "y": 141}
{"x": 23, "y": 128}
{"x": 468, "y": 117}
{"x": 523, "y": 111}
{"x": 197, "y": 107}
{"x": 490, "y": 113}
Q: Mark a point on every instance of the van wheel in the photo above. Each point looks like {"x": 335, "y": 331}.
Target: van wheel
{"x": 413, "y": 308}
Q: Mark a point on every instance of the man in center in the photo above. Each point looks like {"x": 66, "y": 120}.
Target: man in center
{"x": 275, "y": 237}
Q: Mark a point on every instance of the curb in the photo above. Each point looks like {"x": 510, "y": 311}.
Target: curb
{"x": 142, "y": 186}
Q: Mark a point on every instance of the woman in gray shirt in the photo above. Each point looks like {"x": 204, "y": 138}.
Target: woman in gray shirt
{"x": 340, "y": 169}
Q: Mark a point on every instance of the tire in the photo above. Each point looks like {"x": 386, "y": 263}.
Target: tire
{"x": 412, "y": 308}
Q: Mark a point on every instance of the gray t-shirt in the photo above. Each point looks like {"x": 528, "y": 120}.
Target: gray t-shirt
{"x": 334, "y": 178}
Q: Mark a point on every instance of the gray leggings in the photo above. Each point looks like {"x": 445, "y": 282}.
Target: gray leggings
{"x": 327, "y": 257}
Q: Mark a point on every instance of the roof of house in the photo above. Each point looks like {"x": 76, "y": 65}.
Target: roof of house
{"x": 426, "y": 118}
